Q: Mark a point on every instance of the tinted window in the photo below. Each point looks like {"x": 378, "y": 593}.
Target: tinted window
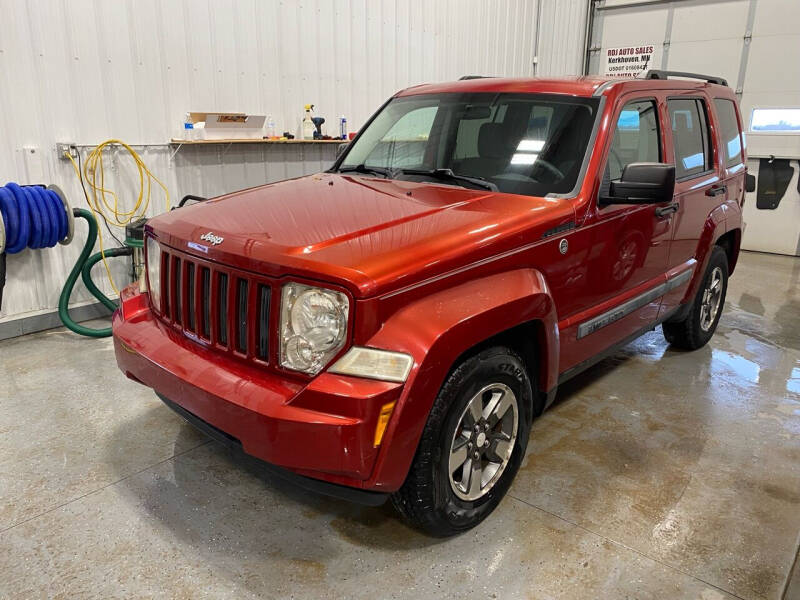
{"x": 729, "y": 126}
{"x": 531, "y": 144}
{"x": 404, "y": 144}
{"x": 635, "y": 137}
{"x": 690, "y": 137}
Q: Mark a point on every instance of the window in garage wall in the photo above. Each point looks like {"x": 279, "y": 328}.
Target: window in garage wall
{"x": 775, "y": 120}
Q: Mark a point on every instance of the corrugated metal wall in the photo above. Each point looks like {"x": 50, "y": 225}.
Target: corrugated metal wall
{"x": 561, "y": 37}
{"x": 87, "y": 70}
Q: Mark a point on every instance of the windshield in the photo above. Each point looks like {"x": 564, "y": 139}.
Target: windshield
{"x": 531, "y": 144}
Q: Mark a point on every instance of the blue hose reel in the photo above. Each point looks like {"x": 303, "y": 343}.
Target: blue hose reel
{"x": 34, "y": 217}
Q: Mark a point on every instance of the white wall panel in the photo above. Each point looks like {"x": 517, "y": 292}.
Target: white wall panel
{"x": 561, "y": 37}
{"x": 87, "y": 70}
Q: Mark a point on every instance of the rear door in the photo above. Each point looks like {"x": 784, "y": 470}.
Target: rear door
{"x": 699, "y": 189}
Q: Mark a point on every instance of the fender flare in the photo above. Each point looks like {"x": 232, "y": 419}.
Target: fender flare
{"x": 713, "y": 228}
{"x": 437, "y": 329}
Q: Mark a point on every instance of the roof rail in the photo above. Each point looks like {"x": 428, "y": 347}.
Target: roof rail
{"x": 465, "y": 77}
{"x": 659, "y": 74}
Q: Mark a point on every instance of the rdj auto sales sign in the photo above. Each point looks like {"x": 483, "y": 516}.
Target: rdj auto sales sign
{"x": 628, "y": 61}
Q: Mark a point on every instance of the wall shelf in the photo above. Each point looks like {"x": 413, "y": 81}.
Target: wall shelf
{"x": 177, "y": 142}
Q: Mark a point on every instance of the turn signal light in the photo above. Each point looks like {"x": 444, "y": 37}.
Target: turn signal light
{"x": 383, "y": 421}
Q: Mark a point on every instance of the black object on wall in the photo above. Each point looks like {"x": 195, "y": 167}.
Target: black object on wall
{"x": 774, "y": 175}
{"x": 2, "y": 276}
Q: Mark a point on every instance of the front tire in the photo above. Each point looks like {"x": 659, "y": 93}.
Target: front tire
{"x": 472, "y": 445}
{"x": 700, "y": 323}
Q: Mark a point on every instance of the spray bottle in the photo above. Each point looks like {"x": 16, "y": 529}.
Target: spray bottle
{"x": 308, "y": 125}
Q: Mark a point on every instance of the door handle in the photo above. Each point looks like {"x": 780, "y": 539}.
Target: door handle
{"x": 716, "y": 190}
{"x": 669, "y": 208}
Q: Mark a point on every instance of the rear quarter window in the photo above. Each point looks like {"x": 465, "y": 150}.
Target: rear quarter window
{"x": 729, "y": 129}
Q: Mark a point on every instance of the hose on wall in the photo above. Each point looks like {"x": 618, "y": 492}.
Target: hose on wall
{"x": 83, "y": 267}
{"x": 37, "y": 216}
{"x": 104, "y": 202}
{"x": 31, "y": 216}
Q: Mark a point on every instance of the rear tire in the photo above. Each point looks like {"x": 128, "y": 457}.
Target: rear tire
{"x": 700, "y": 323}
{"x": 483, "y": 410}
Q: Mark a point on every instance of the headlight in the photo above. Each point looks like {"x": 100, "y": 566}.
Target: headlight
{"x": 313, "y": 326}
{"x": 154, "y": 271}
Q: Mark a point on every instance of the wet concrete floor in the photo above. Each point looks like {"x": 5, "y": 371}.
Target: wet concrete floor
{"x": 657, "y": 474}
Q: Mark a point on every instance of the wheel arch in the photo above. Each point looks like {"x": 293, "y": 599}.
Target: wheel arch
{"x": 730, "y": 241}
{"x": 529, "y": 340}
{"x": 440, "y": 330}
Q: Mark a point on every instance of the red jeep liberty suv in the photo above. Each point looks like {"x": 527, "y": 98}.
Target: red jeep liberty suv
{"x": 391, "y": 327}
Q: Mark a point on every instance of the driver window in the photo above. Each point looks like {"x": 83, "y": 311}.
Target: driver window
{"x": 635, "y": 138}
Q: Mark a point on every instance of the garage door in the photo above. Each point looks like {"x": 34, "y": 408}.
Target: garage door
{"x": 755, "y": 46}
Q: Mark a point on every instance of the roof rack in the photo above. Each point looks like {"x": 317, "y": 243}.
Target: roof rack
{"x": 465, "y": 77}
{"x": 659, "y": 74}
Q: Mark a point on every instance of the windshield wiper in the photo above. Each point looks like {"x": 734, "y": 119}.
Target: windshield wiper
{"x": 448, "y": 175}
{"x": 362, "y": 168}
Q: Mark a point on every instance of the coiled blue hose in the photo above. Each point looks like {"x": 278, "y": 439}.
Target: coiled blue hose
{"x": 32, "y": 216}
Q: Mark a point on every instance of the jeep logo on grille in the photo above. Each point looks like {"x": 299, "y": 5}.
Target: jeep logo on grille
{"x": 211, "y": 238}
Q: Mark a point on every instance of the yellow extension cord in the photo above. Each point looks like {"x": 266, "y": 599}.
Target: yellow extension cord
{"x": 97, "y": 197}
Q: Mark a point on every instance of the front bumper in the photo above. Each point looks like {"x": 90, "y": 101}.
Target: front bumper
{"x": 323, "y": 428}
{"x": 350, "y": 494}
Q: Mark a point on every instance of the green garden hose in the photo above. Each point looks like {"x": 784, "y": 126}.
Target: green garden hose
{"x": 83, "y": 267}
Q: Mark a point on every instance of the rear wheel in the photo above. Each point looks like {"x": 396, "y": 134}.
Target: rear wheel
{"x": 700, "y": 323}
{"x": 472, "y": 445}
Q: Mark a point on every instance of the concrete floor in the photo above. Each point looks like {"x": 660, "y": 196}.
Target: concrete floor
{"x": 657, "y": 474}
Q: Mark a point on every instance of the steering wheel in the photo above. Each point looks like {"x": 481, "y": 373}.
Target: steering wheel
{"x": 548, "y": 166}
{"x": 517, "y": 176}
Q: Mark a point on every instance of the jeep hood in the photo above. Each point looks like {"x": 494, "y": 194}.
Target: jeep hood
{"x": 368, "y": 234}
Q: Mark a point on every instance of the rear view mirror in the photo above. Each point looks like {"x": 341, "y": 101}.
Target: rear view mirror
{"x": 643, "y": 183}
{"x": 750, "y": 183}
{"x": 480, "y": 111}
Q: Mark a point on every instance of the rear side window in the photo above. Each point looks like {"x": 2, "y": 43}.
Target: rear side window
{"x": 731, "y": 138}
{"x": 635, "y": 138}
{"x": 690, "y": 137}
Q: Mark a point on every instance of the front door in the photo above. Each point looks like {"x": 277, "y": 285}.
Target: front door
{"x": 626, "y": 247}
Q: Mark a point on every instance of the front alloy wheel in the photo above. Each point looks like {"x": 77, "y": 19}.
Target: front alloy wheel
{"x": 483, "y": 441}
{"x": 472, "y": 445}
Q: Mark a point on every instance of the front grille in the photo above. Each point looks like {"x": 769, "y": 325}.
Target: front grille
{"x": 217, "y": 305}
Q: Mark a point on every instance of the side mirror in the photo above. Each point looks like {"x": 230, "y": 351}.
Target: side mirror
{"x": 643, "y": 183}
{"x": 341, "y": 148}
{"x": 750, "y": 183}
